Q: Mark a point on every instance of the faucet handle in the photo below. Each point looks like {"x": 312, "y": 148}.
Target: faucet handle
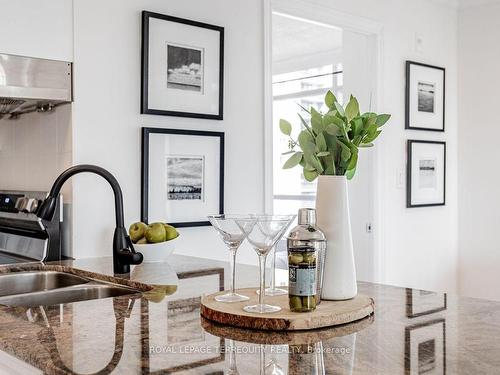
{"x": 132, "y": 249}
{"x": 127, "y": 256}
{"x": 130, "y": 244}
{"x": 133, "y": 256}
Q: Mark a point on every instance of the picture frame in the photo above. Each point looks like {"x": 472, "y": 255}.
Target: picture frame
{"x": 425, "y": 348}
{"x": 182, "y": 176}
{"x": 426, "y": 173}
{"x": 182, "y": 67}
{"x": 425, "y": 97}
{"x": 423, "y": 302}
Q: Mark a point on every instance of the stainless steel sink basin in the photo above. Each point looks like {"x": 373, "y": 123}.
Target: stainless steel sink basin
{"x": 36, "y": 281}
{"x": 71, "y": 294}
{"x": 46, "y": 288}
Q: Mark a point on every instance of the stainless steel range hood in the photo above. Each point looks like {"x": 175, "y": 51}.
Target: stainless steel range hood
{"x": 30, "y": 84}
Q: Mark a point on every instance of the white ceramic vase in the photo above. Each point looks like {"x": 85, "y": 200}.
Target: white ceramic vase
{"x": 332, "y": 209}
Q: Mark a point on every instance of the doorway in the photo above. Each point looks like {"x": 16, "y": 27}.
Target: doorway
{"x": 307, "y": 57}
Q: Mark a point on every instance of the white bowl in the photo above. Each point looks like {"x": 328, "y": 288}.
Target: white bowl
{"x": 156, "y": 252}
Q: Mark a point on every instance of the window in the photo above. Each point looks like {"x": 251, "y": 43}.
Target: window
{"x": 292, "y": 90}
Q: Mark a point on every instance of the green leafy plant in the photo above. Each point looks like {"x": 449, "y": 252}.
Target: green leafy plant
{"x": 329, "y": 144}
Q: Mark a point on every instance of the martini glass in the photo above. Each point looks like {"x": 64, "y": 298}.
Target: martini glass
{"x": 263, "y": 232}
{"x": 273, "y": 290}
{"x": 233, "y": 235}
{"x": 273, "y": 368}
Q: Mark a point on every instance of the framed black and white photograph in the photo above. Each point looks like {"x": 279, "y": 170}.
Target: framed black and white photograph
{"x": 182, "y": 176}
{"x": 182, "y": 67}
{"x": 425, "y": 97}
{"x": 185, "y": 177}
{"x": 425, "y": 348}
{"x": 424, "y": 302}
{"x": 426, "y": 174}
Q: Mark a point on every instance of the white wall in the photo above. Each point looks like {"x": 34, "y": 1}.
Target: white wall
{"x": 37, "y": 28}
{"x": 107, "y": 121}
{"x": 479, "y": 131}
{"x": 419, "y": 245}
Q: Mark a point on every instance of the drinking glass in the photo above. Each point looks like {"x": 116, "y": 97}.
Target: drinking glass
{"x": 263, "y": 233}
{"x": 274, "y": 368}
{"x": 273, "y": 290}
{"x": 233, "y": 369}
{"x": 233, "y": 235}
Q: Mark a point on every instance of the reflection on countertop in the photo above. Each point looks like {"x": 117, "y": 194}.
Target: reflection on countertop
{"x": 412, "y": 331}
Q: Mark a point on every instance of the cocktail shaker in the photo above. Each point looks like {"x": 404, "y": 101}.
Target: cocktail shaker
{"x": 306, "y": 235}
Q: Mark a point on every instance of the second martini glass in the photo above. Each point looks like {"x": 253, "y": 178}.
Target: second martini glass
{"x": 233, "y": 235}
{"x": 263, "y": 235}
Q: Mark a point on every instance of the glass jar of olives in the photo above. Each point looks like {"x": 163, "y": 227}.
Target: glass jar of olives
{"x": 306, "y": 250}
{"x": 302, "y": 278}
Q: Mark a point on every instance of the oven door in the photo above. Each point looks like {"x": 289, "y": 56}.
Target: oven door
{"x": 21, "y": 245}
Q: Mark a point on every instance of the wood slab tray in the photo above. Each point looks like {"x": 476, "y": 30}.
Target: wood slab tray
{"x": 300, "y": 337}
{"x": 327, "y": 314}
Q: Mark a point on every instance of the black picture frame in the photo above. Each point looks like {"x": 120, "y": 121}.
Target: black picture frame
{"x": 146, "y": 132}
{"x": 146, "y": 15}
{"x": 408, "y": 125}
{"x": 408, "y": 348}
{"x": 409, "y": 150}
{"x": 410, "y": 313}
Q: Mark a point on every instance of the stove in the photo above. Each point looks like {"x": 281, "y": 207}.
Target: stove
{"x": 24, "y": 237}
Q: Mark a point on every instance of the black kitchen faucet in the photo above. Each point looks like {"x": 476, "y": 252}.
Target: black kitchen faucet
{"x": 123, "y": 251}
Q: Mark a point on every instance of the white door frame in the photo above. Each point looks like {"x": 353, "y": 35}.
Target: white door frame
{"x": 324, "y": 14}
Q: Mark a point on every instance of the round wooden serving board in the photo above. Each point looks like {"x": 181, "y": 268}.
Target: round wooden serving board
{"x": 327, "y": 314}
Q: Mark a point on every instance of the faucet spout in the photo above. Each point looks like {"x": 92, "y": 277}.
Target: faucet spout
{"x": 124, "y": 253}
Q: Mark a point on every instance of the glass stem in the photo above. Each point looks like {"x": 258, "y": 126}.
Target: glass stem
{"x": 262, "y": 359}
{"x": 232, "y": 269}
{"x": 262, "y": 273}
{"x": 232, "y": 356}
{"x": 272, "y": 283}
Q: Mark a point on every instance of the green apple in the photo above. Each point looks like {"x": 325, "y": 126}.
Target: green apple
{"x": 137, "y": 231}
{"x": 156, "y": 233}
{"x": 142, "y": 241}
{"x": 171, "y": 232}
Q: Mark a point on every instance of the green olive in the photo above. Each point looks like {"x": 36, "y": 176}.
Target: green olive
{"x": 309, "y": 302}
{"x": 309, "y": 258}
{"x": 313, "y": 302}
{"x": 295, "y": 303}
{"x": 295, "y": 258}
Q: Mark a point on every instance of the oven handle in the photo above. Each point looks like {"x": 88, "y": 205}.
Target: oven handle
{"x": 24, "y": 232}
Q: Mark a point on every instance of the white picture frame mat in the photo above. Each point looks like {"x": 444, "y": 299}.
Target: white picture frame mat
{"x": 161, "y": 33}
{"x": 426, "y": 120}
{"x": 162, "y": 145}
{"x": 427, "y": 151}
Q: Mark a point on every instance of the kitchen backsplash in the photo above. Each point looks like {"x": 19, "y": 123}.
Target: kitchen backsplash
{"x": 34, "y": 149}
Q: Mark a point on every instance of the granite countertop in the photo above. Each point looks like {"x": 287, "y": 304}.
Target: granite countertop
{"x": 160, "y": 331}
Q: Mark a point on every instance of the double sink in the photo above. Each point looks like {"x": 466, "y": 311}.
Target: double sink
{"x": 46, "y": 288}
